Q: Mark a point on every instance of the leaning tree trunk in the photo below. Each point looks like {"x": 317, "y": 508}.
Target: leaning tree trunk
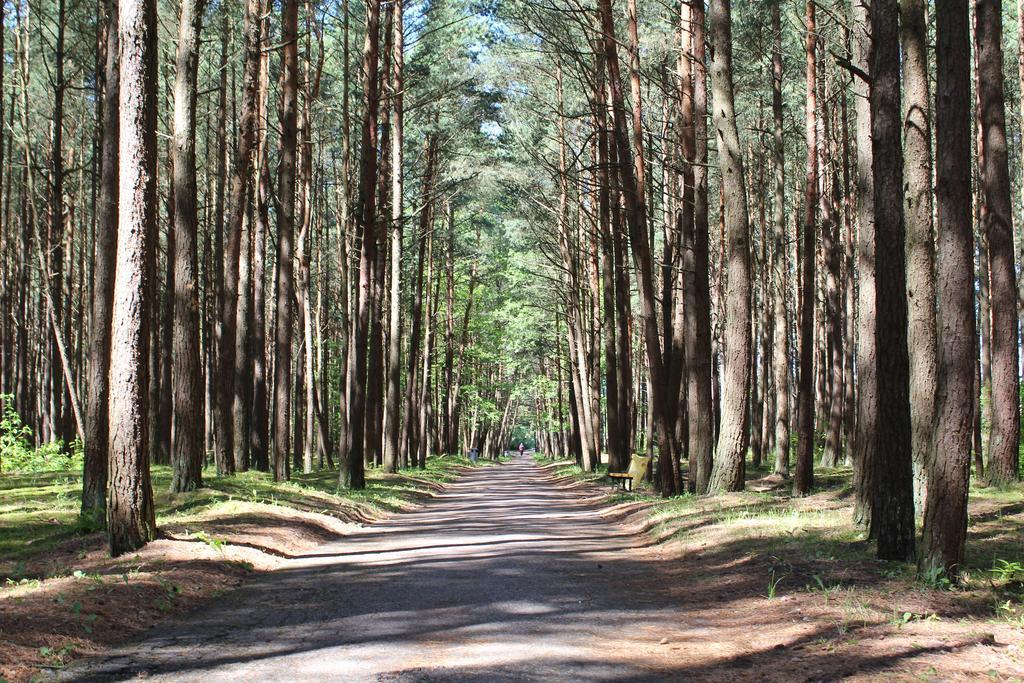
{"x": 187, "y": 438}
{"x": 131, "y": 521}
{"x": 729, "y": 469}
{"x": 894, "y": 495}
{"x": 945, "y": 515}
{"x": 1004, "y": 435}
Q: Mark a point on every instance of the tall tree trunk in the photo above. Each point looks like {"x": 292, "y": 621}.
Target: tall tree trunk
{"x": 636, "y": 221}
{"x": 446, "y": 426}
{"x": 699, "y": 359}
{"x": 352, "y": 472}
{"x": 284, "y": 287}
{"x": 220, "y": 181}
{"x": 803, "y": 478}
{"x": 867, "y": 378}
{"x": 187, "y": 443}
{"x": 1004, "y": 435}
{"x": 55, "y": 238}
{"x": 920, "y": 238}
{"x": 307, "y": 322}
{"x": 391, "y": 441}
{"x": 131, "y": 521}
{"x": 618, "y": 453}
{"x": 94, "y": 479}
{"x": 894, "y": 496}
{"x": 945, "y": 516}
{"x": 730, "y": 464}
{"x": 229, "y": 454}
{"x": 423, "y": 412}
{"x": 780, "y": 346}
{"x": 161, "y": 392}
{"x": 260, "y": 419}
{"x": 409, "y": 438}
{"x": 241, "y": 408}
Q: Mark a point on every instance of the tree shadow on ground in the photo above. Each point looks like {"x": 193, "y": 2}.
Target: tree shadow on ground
{"x": 530, "y": 583}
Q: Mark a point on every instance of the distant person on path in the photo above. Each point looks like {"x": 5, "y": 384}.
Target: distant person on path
{"x": 473, "y": 454}
{"x": 522, "y": 448}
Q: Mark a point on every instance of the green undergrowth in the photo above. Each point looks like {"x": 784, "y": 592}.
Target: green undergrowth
{"x": 766, "y": 521}
{"x": 565, "y": 467}
{"x": 40, "y": 510}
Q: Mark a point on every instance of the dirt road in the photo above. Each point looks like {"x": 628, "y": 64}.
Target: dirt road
{"x": 502, "y": 577}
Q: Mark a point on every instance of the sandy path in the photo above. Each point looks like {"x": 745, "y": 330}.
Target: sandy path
{"x": 501, "y": 577}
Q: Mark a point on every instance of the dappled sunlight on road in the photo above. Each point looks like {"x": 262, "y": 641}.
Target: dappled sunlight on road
{"x": 506, "y": 575}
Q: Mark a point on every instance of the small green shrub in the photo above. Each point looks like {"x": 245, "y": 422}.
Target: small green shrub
{"x": 1007, "y": 571}
{"x": 936, "y": 578}
{"x": 17, "y": 453}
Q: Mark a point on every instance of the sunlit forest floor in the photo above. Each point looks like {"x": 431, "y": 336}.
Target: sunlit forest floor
{"x": 62, "y": 597}
{"x": 763, "y": 582}
{"x": 802, "y": 581}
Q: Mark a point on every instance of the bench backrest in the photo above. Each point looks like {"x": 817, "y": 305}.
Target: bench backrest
{"x": 638, "y": 468}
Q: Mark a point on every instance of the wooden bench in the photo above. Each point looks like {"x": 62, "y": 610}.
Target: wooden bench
{"x": 631, "y": 478}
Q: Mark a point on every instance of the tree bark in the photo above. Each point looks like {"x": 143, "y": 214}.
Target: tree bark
{"x": 780, "y": 345}
{"x": 729, "y": 469}
{"x": 894, "y": 496}
{"x": 230, "y": 457}
{"x": 867, "y": 378}
{"x": 1004, "y": 434}
{"x": 186, "y": 439}
{"x": 391, "y": 441}
{"x": 803, "y": 478}
{"x": 131, "y": 521}
{"x": 260, "y": 419}
{"x": 636, "y": 221}
{"x": 945, "y": 515}
{"x": 699, "y": 360}
{"x": 920, "y": 238}
{"x": 618, "y": 453}
{"x": 353, "y": 472}
{"x": 94, "y": 479}
{"x": 284, "y": 288}
{"x": 56, "y": 237}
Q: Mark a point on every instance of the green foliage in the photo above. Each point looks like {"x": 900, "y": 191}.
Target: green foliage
{"x": 17, "y": 453}
{"x": 39, "y": 510}
{"x": 773, "y": 582}
{"x": 1007, "y": 571}
{"x": 937, "y": 579}
{"x": 778, "y": 571}
{"x": 215, "y": 543}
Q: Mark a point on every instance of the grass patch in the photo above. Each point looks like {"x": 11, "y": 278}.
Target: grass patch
{"x": 816, "y": 533}
{"x": 40, "y": 510}
{"x": 565, "y": 467}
